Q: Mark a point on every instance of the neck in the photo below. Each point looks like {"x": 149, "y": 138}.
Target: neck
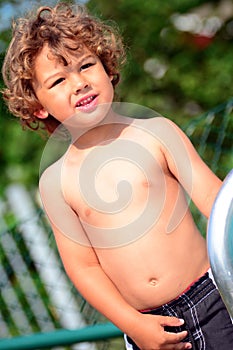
{"x": 107, "y": 130}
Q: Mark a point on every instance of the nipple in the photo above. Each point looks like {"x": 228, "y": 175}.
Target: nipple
{"x": 146, "y": 184}
{"x": 87, "y": 212}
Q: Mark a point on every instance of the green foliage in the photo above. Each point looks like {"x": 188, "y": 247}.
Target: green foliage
{"x": 197, "y": 77}
{"x": 168, "y": 70}
{"x": 194, "y": 72}
{"x": 20, "y": 151}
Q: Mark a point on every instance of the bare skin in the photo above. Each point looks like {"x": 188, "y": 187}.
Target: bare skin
{"x": 122, "y": 279}
{"x": 157, "y": 260}
{"x": 147, "y": 266}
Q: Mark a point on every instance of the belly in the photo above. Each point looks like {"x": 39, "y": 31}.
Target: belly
{"x": 156, "y": 268}
{"x": 113, "y": 222}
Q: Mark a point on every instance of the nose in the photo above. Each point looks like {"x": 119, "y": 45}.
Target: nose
{"x": 78, "y": 83}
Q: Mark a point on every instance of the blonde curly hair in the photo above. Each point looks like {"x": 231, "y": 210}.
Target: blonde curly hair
{"x": 65, "y": 29}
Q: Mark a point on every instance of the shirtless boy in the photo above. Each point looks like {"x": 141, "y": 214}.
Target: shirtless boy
{"x": 117, "y": 199}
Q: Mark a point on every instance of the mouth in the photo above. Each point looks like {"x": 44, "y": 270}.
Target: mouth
{"x": 87, "y": 103}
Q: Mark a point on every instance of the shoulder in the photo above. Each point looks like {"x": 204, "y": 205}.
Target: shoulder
{"x": 50, "y": 180}
{"x": 162, "y": 122}
{"x": 155, "y": 121}
{"x": 162, "y": 129}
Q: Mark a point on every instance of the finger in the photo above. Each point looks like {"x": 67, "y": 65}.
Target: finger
{"x": 180, "y": 346}
{"x": 171, "y": 321}
{"x": 174, "y": 338}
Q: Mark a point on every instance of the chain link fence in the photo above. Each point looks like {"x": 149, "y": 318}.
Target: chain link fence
{"x": 35, "y": 293}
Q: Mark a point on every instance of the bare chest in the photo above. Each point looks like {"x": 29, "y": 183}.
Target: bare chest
{"x": 116, "y": 190}
{"x": 114, "y": 177}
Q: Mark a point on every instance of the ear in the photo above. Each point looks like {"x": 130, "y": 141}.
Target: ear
{"x": 41, "y": 114}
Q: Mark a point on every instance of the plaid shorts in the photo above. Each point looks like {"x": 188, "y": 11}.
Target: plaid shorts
{"x": 206, "y": 318}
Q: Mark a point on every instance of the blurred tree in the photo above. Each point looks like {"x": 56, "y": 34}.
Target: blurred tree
{"x": 180, "y": 52}
{"x": 179, "y": 63}
{"x": 20, "y": 152}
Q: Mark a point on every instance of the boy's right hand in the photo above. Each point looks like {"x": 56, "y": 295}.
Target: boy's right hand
{"x": 149, "y": 333}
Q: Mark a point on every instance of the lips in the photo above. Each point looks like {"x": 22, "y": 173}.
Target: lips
{"x": 87, "y": 103}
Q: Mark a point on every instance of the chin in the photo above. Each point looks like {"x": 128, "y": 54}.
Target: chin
{"x": 89, "y": 118}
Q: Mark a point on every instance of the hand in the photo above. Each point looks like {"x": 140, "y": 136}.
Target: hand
{"x": 149, "y": 333}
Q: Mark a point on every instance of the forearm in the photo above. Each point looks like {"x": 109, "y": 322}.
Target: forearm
{"x": 206, "y": 203}
{"x": 146, "y": 330}
{"x": 102, "y": 294}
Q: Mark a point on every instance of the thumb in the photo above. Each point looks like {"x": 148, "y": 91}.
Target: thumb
{"x": 171, "y": 321}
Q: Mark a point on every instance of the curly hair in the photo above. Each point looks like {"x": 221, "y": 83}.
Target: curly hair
{"x": 65, "y": 29}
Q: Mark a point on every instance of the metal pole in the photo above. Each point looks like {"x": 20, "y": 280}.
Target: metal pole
{"x": 220, "y": 241}
{"x": 61, "y": 337}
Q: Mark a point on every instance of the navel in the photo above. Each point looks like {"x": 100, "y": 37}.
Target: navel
{"x": 153, "y": 282}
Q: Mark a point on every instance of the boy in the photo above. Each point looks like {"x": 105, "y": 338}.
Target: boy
{"x": 116, "y": 199}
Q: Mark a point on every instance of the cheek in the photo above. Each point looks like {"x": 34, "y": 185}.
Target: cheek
{"x": 51, "y": 101}
{"x": 109, "y": 87}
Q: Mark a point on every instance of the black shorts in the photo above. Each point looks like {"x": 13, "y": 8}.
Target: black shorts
{"x": 206, "y": 318}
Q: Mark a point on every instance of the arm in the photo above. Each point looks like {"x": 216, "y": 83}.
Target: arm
{"x": 83, "y": 268}
{"x": 186, "y": 165}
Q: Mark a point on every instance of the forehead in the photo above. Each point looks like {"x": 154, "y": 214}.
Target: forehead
{"x": 47, "y": 60}
{"x": 63, "y": 56}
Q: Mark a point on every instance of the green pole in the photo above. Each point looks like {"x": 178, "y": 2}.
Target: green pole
{"x": 61, "y": 337}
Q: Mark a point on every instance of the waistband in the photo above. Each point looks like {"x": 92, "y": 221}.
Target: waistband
{"x": 196, "y": 292}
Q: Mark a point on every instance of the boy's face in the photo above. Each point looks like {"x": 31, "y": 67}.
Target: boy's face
{"x": 75, "y": 89}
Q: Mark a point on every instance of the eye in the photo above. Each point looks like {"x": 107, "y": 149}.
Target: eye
{"x": 86, "y": 66}
{"x": 57, "y": 82}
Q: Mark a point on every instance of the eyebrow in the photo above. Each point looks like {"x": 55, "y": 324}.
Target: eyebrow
{"x": 79, "y": 62}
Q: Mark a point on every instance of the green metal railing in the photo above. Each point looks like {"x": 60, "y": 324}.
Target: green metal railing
{"x": 212, "y": 135}
{"x": 61, "y": 337}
